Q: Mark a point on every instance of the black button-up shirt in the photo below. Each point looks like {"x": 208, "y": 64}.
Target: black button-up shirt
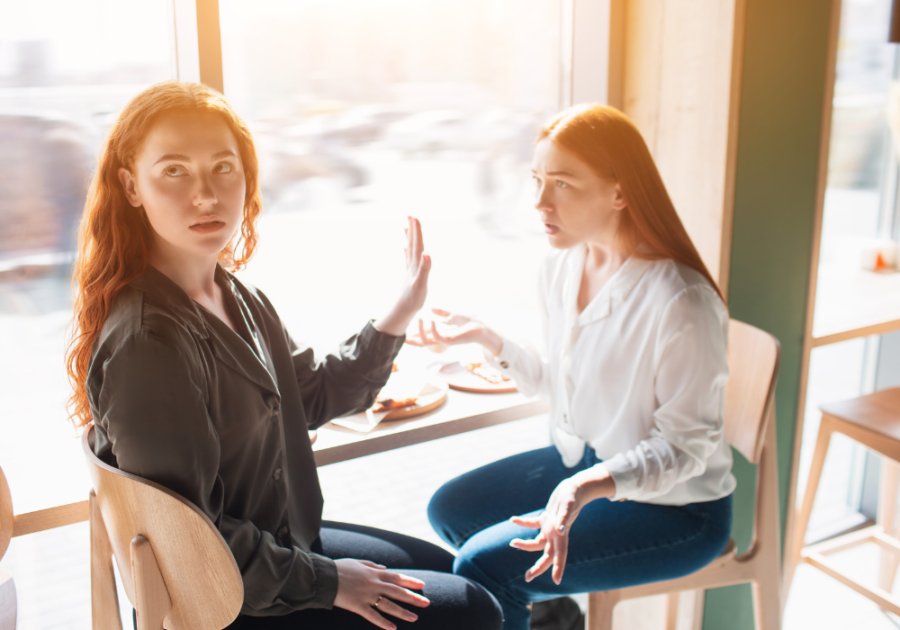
{"x": 221, "y": 418}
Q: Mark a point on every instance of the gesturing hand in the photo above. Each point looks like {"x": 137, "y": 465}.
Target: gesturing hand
{"x": 554, "y": 522}
{"x": 367, "y": 589}
{"x": 415, "y": 284}
{"x": 451, "y": 329}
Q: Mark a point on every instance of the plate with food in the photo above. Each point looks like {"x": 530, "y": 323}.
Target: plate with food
{"x": 477, "y": 377}
{"x": 403, "y": 397}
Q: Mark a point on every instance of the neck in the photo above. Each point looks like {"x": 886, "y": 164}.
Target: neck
{"x": 608, "y": 254}
{"x": 194, "y": 274}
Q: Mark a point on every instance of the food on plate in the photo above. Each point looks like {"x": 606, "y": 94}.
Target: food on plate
{"x": 388, "y": 404}
{"x": 491, "y": 375}
{"x": 394, "y": 368}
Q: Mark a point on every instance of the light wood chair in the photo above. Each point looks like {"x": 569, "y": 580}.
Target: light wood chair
{"x": 753, "y": 359}
{"x": 177, "y": 570}
{"x": 874, "y": 422}
{"x": 8, "y": 610}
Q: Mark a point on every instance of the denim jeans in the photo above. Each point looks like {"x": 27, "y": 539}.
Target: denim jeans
{"x": 612, "y": 544}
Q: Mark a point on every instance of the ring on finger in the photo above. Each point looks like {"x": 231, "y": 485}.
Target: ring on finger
{"x": 377, "y": 601}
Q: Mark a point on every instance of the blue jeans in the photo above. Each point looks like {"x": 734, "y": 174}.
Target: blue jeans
{"x": 612, "y": 544}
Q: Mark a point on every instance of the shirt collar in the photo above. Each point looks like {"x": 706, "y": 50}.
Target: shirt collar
{"x": 157, "y": 284}
{"x": 618, "y": 287}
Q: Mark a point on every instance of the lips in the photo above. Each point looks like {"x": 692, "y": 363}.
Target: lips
{"x": 549, "y": 228}
{"x": 205, "y": 225}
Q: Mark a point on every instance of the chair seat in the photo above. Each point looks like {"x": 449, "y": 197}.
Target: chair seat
{"x": 876, "y": 412}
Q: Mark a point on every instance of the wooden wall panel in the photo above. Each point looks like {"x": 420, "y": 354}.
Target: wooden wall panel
{"x": 681, "y": 78}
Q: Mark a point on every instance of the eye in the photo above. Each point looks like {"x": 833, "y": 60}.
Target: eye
{"x": 223, "y": 167}
{"x": 537, "y": 180}
{"x": 561, "y": 184}
{"x": 175, "y": 170}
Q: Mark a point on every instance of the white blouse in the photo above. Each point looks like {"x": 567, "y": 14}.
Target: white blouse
{"x": 639, "y": 376}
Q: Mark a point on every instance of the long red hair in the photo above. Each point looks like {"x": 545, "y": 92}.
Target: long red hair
{"x": 607, "y": 141}
{"x": 114, "y": 238}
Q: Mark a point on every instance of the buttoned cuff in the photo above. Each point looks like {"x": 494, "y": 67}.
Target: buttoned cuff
{"x": 503, "y": 361}
{"x": 326, "y": 581}
{"x": 624, "y": 473}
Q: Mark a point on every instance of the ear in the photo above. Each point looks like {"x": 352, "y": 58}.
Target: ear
{"x": 619, "y": 201}
{"x": 129, "y": 185}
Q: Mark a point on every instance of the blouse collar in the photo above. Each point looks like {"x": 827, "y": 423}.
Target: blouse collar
{"x": 618, "y": 287}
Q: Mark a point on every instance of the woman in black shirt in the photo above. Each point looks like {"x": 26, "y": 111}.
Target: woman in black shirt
{"x": 192, "y": 381}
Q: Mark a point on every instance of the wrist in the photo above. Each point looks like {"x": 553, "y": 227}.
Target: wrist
{"x": 594, "y": 483}
{"x": 394, "y": 323}
{"x": 490, "y": 341}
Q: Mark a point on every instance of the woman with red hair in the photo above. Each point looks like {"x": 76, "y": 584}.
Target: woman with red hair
{"x": 637, "y": 485}
{"x": 192, "y": 381}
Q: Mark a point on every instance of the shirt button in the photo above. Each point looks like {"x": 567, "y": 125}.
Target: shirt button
{"x": 504, "y": 364}
{"x": 277, "y": 474}
{"x": 282, "y": 532}
{"x": 274, "y": 415}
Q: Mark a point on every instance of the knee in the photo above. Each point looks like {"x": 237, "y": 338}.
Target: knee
{"x": 446, "y": 513}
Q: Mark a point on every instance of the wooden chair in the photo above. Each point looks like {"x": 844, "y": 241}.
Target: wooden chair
{"x": 874, "y": 422}
{"x": 177, "y": 570}
{"x": 753, "y": 358}
{"x": 7, "y": 586}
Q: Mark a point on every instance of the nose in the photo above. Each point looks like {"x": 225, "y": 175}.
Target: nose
{"x": 205, "y": 195}
{"x": 542, "y": 200}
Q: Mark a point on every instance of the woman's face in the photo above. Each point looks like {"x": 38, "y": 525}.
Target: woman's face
{"x": 575, "y": 204}
{"x": 189, "y": 178}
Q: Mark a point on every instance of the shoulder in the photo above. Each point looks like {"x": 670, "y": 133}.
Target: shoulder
{"x": 684, "y": 297}
{"x": 138, "y": 323}
{"x": 669, "y": 283}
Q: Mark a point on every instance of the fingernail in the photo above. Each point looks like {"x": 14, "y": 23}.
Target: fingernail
{"x": 413, "y": 617}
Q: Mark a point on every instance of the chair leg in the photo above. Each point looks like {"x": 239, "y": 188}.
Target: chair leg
{"x": 104, "y": 598}
{"x": 796, "y": 537}
{"x": 672, "y": 600}
{"x": 767, "y": 604}
{"x": 600, "y": 610}
{"x": 887, "y": 503}
{"x": 152, "y": 602}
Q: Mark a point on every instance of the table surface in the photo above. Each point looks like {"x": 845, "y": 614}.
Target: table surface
{"x": 463, "y": 411}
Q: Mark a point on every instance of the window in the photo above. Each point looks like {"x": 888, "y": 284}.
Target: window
{"x": 366, "y": 112}
{"x": 852, "y": 305}
{"x": 66, "y": 69}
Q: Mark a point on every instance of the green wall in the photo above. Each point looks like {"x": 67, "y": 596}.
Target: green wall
{"x": 777, "y": 163}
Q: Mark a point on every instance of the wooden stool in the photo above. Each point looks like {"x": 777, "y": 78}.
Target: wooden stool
{"x": 874, "y": 422}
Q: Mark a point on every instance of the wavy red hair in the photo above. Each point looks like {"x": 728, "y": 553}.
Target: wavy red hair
{"x": 607, "y": 141}
{"x": 114, "y": 239}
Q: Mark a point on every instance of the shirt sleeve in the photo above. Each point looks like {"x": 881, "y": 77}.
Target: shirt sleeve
{"x": 691, "y": 372}
{"x": 348, "y": 381}
{"x": 522, "y": 361}
{"x": 153, "y": 409}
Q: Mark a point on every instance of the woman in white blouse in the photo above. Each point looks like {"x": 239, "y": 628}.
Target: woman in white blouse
{"x": 637, "y": 487}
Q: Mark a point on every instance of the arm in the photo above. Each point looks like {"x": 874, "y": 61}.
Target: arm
{"x": 691, "y": 372}
{"x": 349, "y": 381}
{"x": 152, "y": 407}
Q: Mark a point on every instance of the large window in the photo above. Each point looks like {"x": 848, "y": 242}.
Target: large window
{"x": 67, "y": 68}
{"x": 847, "y": 358}
{"x": 366, "y": 112}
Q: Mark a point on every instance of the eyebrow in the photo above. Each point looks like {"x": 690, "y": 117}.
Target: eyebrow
{"x": 180, "y": 157}
{"x": 556, "y": 173}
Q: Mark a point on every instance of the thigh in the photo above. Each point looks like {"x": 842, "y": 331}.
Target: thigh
{"x": 393, "y": 550}
{"x": 611, "y": 545}
{"x": 455, "y": 603}
{"x": 488, "y": 495}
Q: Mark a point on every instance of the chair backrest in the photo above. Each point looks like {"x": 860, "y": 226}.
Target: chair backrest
{"x": 8, "y": 610}
{"x": 753, "y": 359}
{"x": 6, "y": 514}
{"x": 201, "y": 577}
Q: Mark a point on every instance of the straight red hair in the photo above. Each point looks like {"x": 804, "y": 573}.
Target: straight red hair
{"x": 606, "y": 140}
{"x": 114, "y": 237}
